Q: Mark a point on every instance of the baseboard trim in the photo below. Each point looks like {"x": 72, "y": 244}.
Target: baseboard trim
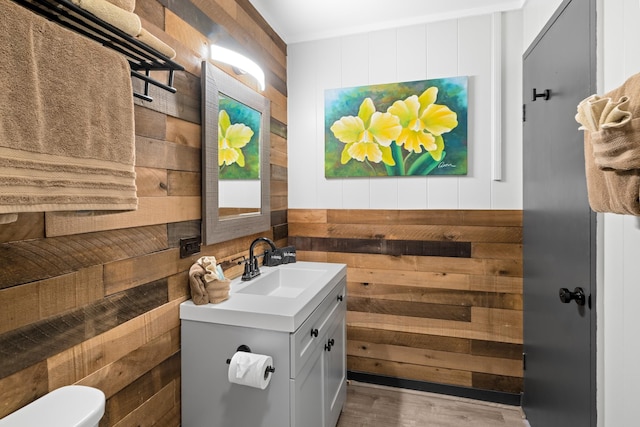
{"x": 470, "y": 393}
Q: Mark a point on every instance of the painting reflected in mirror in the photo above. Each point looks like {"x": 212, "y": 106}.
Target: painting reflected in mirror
{"x": 235, "y": 130}
{"x": 238, "y": 157}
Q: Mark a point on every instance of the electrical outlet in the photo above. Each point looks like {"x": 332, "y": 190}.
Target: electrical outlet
{"x": 189, "y": 246}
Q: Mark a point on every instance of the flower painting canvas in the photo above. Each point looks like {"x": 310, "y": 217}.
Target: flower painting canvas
{"x": 414, "y": 128}
{"x": 238, "y": 140}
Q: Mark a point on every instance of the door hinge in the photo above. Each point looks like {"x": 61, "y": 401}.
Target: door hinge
{"x": 524, "y": 361}
{"x": 524, "y": 112}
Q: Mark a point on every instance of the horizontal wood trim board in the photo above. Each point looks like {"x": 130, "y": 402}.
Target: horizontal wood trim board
{"x": 151, "y": 210}
{"x": 425, "y": 279}
{"x": 442, "y": 265}
{"x": 31, "y": 344}
{"x": 495, "y": 325}
{"x": 451, "y": 233}
{"x": 499, "y": 218}
{"x": 383, "y": 246}
{"x": 436, "y": 343}
{"x": 31, "y": 260}
{"x": 419, "y": 294}
{"x": 434, "y": 358}
{"x": 409, "y": 308}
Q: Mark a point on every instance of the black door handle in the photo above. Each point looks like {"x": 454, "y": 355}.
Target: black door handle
{"x": 577, "y": 295}
{"x": 546, "y": 95}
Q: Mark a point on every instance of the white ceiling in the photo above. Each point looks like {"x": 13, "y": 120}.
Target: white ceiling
{"x": 304, "y": 20}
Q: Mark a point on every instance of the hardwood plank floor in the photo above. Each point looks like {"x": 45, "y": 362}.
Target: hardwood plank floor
{"x": 379, "y": 406}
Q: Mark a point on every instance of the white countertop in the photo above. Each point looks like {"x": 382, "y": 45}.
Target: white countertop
{"x": 270, "y": 312}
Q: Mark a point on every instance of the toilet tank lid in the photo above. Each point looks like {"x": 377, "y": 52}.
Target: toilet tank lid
{"x": 68, "y": 406}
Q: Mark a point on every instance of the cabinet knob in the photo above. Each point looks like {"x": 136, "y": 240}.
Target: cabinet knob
{"x": 340, "y": 297}
{"x": 329, "y": 344}
{"x": 314, "y": 332}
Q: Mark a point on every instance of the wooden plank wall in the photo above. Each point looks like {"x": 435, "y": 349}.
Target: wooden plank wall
{"x": 433, "y": 295}
{"x": 94, "y": 299}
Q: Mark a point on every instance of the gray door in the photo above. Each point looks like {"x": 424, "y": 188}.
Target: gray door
{"x": 559, "y": 227}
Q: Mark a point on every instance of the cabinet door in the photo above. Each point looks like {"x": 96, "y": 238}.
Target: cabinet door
{"x": 335, "y": 370}
{"x": 307, "y": 406}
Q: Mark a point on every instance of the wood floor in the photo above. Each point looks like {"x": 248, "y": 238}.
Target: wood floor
{"x": 378, "y": 406}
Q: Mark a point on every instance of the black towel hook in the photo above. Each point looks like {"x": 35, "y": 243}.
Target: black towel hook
{"x": 546, "y": 94}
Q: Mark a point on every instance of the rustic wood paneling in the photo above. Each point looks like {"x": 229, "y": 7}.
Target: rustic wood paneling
{"x": 155, "y": 153}
{"x": 383, "y": 246}
{"x": 150, "y": 123}
{"x": 432, "y": 295}
{"x": 92, "y": 297}
{"x": 33, "y": 343}
{"x": 183, "y": 132}
{"x": 49, "y": 297}
{"x": 30, "y": 225}
{"x": 23, "y": 387}
{"x": 151, "y": 182}
{"x": 151, "y": 210}
{"x": 144, "y": 388}
{"x": 30, "y": 260}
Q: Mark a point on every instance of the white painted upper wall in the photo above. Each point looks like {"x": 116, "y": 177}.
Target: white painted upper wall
{"x": 536, "y": 13}
{"x": 620, "y": 59}
{"x": 460, "y": 47}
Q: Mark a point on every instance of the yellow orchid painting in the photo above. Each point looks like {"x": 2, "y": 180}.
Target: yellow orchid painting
{"x": 401, "y": 129}
{"x": 238, "y": 140}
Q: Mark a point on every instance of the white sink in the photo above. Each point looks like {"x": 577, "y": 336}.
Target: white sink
{"x": 281, "y": 282}
{"x": 279, "y": 299}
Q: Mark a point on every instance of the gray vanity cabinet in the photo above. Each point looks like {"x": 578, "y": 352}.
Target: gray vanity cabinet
{"x": 318, "y": 380}
{"x": 307, "y": 389}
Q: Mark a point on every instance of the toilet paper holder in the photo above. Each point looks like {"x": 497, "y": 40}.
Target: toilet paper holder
{"x": 245, "y": 348}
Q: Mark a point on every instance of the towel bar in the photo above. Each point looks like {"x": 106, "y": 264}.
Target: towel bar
{"x": 140, "y": 56}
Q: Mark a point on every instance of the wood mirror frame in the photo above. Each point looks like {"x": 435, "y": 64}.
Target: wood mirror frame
{"x": 217, "y": 228}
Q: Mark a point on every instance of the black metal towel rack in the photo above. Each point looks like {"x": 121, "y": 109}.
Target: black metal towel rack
{"x": 142, "y": 58}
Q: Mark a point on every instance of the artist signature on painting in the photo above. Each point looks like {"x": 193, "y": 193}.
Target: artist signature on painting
{"x": 443, "y": 165}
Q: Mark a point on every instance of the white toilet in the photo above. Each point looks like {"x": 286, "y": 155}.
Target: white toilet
{"x": 69, "y": 406}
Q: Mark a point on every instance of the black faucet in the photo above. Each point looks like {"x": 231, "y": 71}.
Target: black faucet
{"x": 251, "y": 268}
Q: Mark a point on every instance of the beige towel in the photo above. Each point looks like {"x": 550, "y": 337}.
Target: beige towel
{"x": 205, "y": 284}
{"x": 66, "y": 119}
{"x": 197, "y": 284}
{"x": 120, "y": 18}
{"x": 610, "y": 190}
{"x": 612, "y": 148}
{"x": 150, "y": 40}
{"x": 128, "y": 5}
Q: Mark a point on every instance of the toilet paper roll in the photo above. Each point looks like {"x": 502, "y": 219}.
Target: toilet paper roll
{"x": 250, "y": 369}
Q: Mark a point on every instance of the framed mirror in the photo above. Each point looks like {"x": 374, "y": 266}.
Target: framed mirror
{"x": 235, "y": 158}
